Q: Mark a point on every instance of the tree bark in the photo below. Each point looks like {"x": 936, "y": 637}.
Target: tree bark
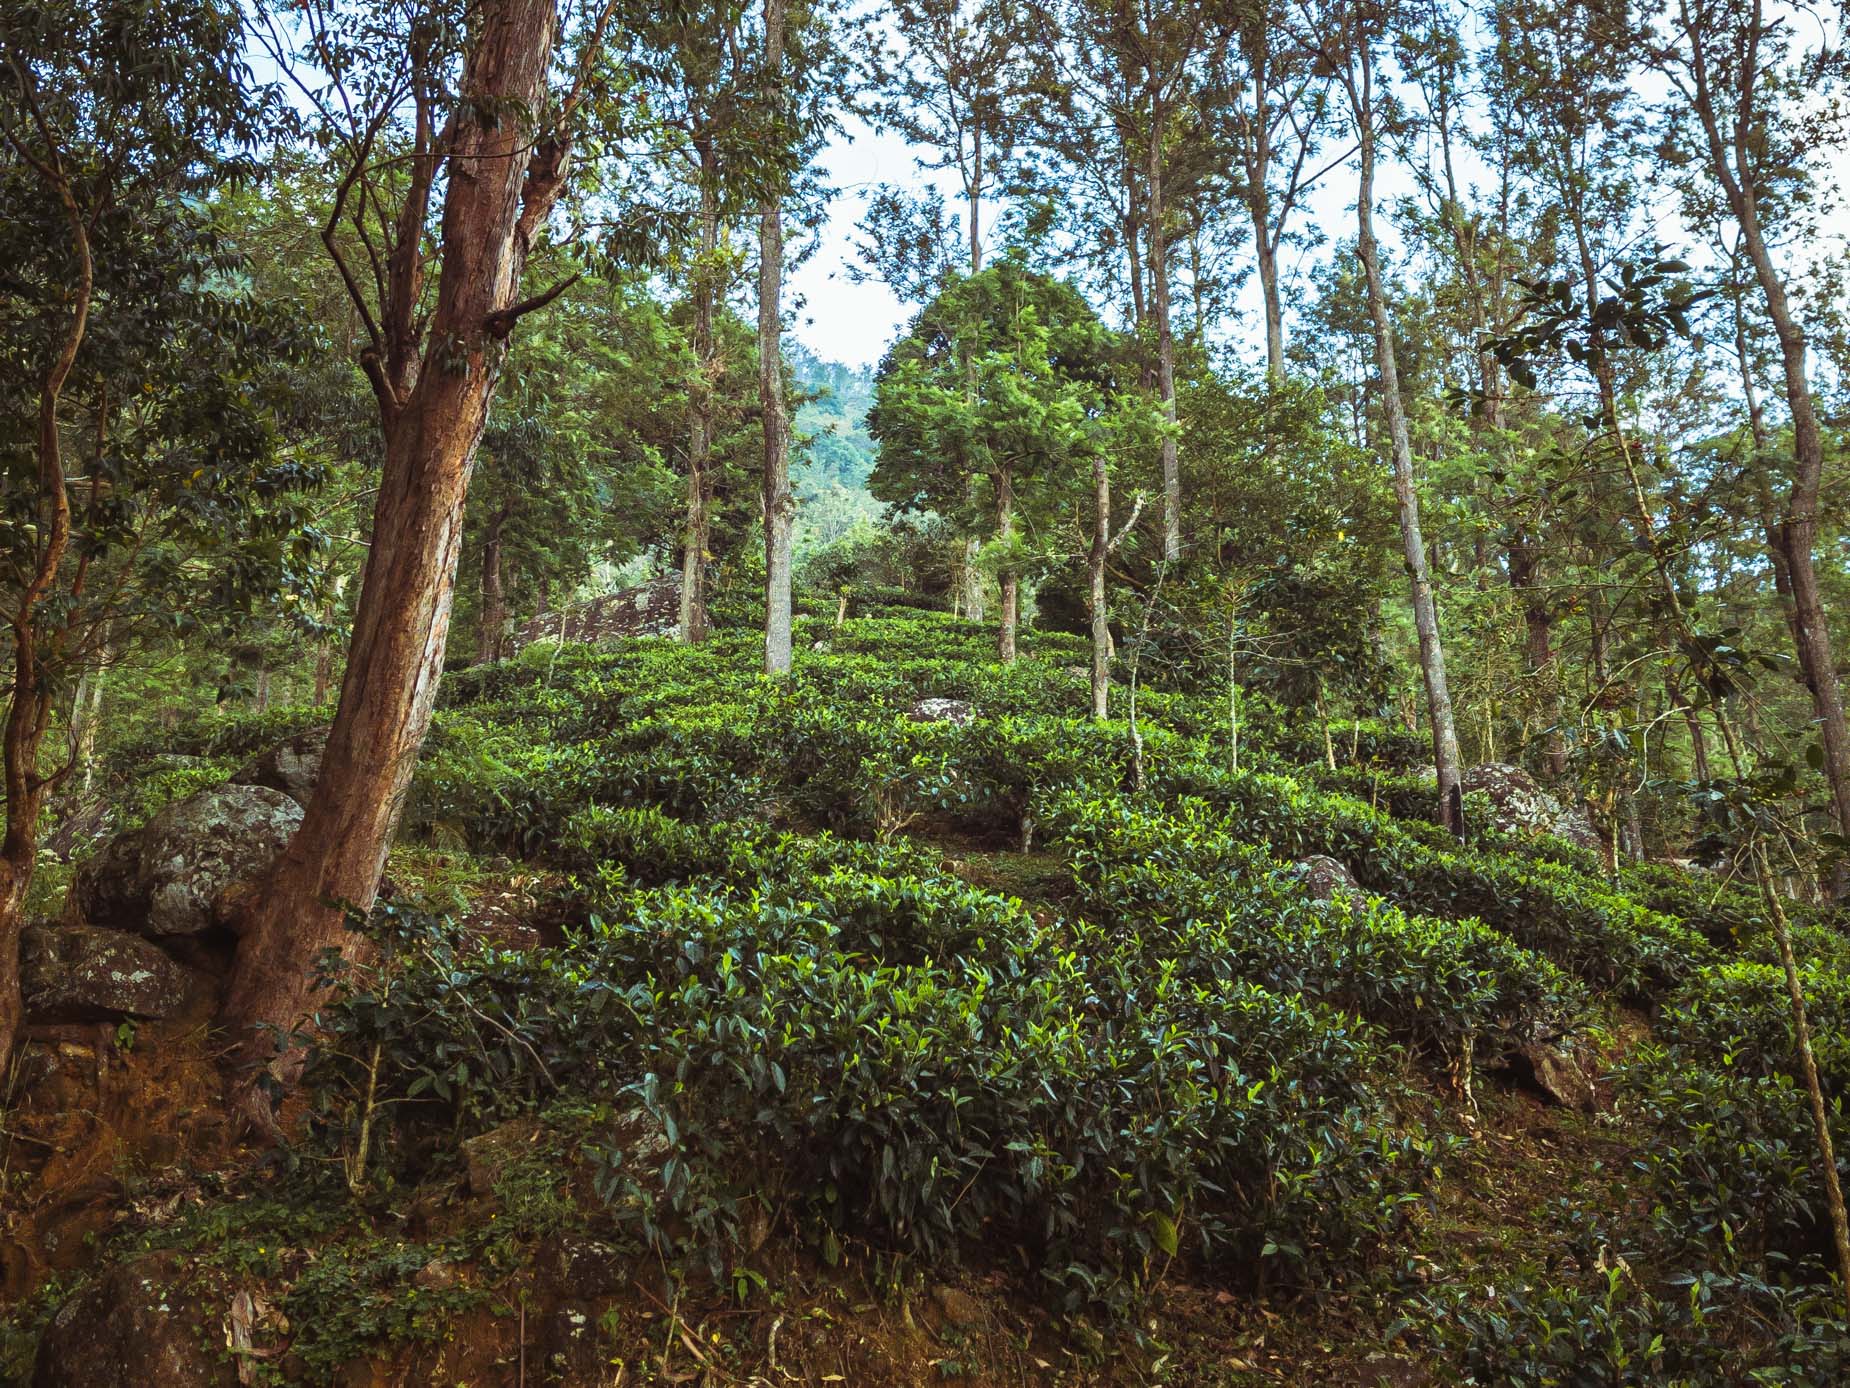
{"x": 971, "y": 574}
{"x": 492, "y": 636}
{"x": 1007, "y": 580}
{"x": 697, "y": 535}
{"x": 434, "y": 403}
{"x": 779, "y": 503}
{"x": 1165, "y": 338}
{"x": 1425, "y": 610}
{"x": 1095, "y": 588}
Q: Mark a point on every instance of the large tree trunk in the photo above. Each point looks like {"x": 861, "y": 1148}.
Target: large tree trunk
{"x": 433, "y": 415}
{"x": 779, "y": 504}
{"x": 1007, "y": 580}
{"x": 970, "y": 574}
{"x": 1425, "y": 610}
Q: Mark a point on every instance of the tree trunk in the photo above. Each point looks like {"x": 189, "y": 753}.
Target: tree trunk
{"x": 29, "y": 711}
{"x": 492, "y": 635}
{"x": 1538, "y": 641}
{"x": 779, "y": 503}
{"x": 1425, "y": 611}
{"x": 1095, "y": 589}
{"x": 1165, "y": 339}
{"x": 971, "y": 572}
{"x": 697, "y": 536}
{"x": 433, "y": 414}
{"x": 1798, "y": 530}
{"x": 1007, "y": 580}
{"x": 1267, "y": 258}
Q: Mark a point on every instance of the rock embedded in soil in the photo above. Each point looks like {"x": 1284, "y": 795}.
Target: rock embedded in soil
{"x": 137, "y": 1326}
{"x": 1522, "y": 806}
{"x": 1325, "y": 878}
{"x": 958, "y": 711}
{"x": 1559, "y": 1075}
{"x": 173, "y": 875}
{"x": 83, "y": 974}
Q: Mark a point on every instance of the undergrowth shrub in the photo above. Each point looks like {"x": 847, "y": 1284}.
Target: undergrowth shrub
{"x": 1229, "y": 910}
{"x": 1736, "y": 1160}
{"x": 932, "y": 1069}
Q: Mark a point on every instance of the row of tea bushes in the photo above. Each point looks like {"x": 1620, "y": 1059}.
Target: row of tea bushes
{"x": 1579, "y": 922}
{"x": 936, "y": 1074}
{"x": 1184, "y": 886}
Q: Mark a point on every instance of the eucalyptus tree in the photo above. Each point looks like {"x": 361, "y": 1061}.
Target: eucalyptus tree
{"x": 1758, "y": 104}
{"x": 453, "y": 135}
{"x": 701, "y": 81}
{"x": 1127, "y": 89}
{"x": 143, "y": 487}
{"x": 1348, "y": 37}
{"x": 1276, "y": 120}
{"x": 804, "y": 83}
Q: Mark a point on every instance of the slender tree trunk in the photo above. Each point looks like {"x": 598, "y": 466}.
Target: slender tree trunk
{"x": 491, "y": 638}
{"x": 1007, "y": 579}
{"x": 697, "y": 535}
{"x": 1538, "y": 645}
{"x": 433, "y": 414}
{"x": 1731, "y": 156}
{"x": 1095, "y": 589}
{"x": 92, "y": 718}
{"x": 28, "y": 714}
{"x": 779, "y": 503}
{"x": 1165, "y": 339}
{"x": 1267, "y": 261}
{"x": 1425, "y": 610}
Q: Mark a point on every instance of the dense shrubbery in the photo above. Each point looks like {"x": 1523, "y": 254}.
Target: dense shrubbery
{"x": 929, "y": 1064}
{"x": 767, "y": 952}
{"x": 1226, "y": 909}
{"x": 1739, "y": 1162}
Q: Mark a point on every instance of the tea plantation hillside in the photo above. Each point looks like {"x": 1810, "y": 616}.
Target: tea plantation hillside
{"x": 902, "y": 1024}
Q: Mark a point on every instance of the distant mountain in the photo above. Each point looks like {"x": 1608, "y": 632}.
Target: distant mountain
{"x": 834, "y": 455}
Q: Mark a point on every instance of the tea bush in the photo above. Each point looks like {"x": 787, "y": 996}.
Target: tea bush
{"x": 1737, "y": 1160}
{"x": 1229, "y": 910}
{"x": 933, "y": 1068}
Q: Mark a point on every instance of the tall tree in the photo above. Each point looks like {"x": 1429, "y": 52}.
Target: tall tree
{"x": 1277, "y": 112}
{"x": 1740, "y": 84}
{"x": 956, "y": 87}
{"x": 1347, "y": 37}
{"x": 779, "y": 504}
{"x": 116, "y": 121}
{"x": 454, "y": 146}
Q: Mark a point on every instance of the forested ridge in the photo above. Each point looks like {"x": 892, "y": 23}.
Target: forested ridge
{"x": 1263, "y": 798}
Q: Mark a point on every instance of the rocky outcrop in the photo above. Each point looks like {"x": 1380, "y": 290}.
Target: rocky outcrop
{"x": 959, "y": 711}
{"x": 173, "y": 875}
{"x": 290, "y": 766}
{"x": 82, "y": 974}
{"x": 1522, "y": 806}
{"x": 649, "y": 609}
{"x": 136, "y": 1326}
